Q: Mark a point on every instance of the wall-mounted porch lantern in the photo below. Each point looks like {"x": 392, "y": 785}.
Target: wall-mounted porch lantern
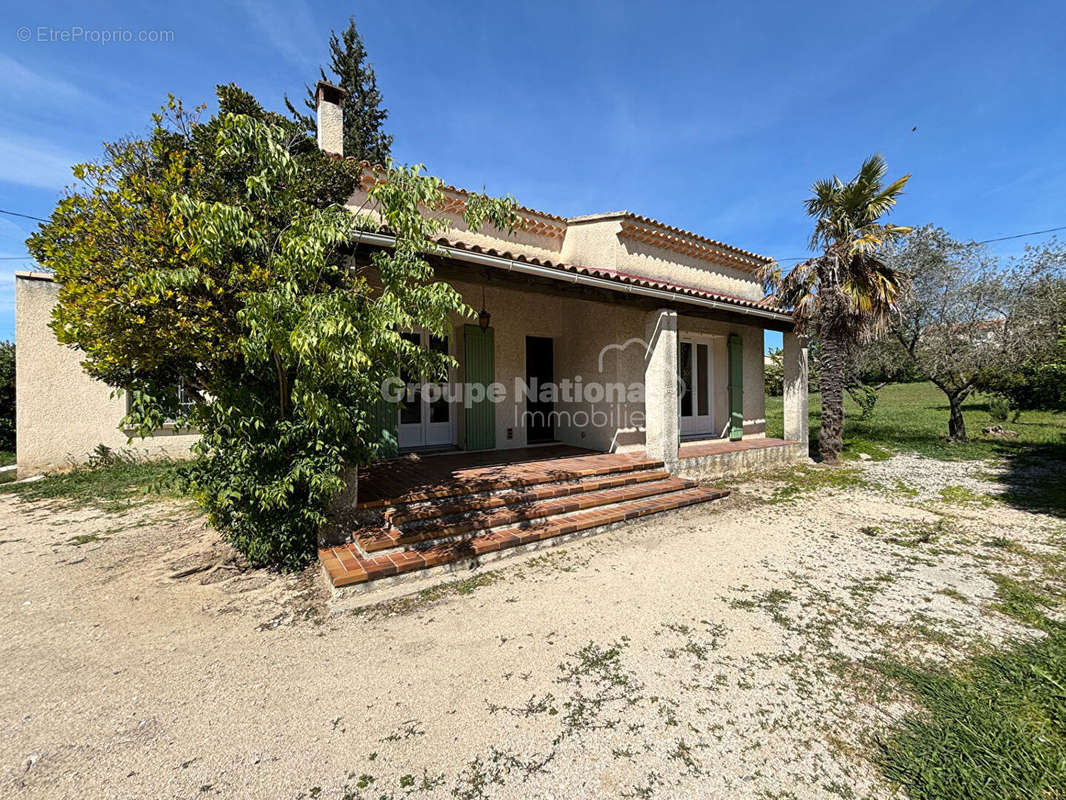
{"x": 483, "y": 316}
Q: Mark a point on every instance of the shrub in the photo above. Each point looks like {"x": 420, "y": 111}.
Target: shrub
{"x": 774, "y": 373}
{"x": 7, "y": 396}
{"x": 1030, "y": 387}
{"x": 998, "y": 409}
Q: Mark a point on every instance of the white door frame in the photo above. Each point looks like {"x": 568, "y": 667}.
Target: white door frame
{"x": 695, "y": 424}
{"x": 423, "y": 432}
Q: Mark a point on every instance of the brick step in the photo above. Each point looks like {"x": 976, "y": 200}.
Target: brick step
{"x": 453, "y": 488}
{"x": 398, "y": 517}
{"x": 345, "y": 566}
{"x": 386, "y": 539}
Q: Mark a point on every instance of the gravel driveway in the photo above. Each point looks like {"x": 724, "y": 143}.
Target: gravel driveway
{"x": 721, "y": 651}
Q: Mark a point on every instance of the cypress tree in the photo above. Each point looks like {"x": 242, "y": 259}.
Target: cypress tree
{"x": 364, "y": 115}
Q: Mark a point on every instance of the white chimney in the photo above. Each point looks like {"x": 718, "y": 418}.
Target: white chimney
{"x": 329, "y": 108}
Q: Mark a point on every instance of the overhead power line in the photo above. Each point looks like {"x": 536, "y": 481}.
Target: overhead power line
{"x": 983, "y": 241}
{"x": 1022, "y": 235}
{"x": 24, "y": 216}
{"x": 779, "y": 260}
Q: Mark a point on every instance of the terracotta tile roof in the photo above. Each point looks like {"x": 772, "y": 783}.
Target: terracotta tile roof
{"x": 658, "y": 234}
{"x": 525, "y": 209}
{"x": 690, "y": 235}
{"x": 634, "y": 225}
{"x": 613, "y": 275}
{"x": 458, "y": 207}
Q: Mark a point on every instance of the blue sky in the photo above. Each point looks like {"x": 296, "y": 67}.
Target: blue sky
{"x": 715, "y": 117}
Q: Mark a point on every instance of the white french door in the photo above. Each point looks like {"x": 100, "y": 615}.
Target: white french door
{"x": 424, "y": 421}
{"x": 696, "y": 398}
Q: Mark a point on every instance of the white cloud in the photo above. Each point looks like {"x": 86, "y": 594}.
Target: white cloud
{"x": 28, "y": 162}
{"x": 289, "y": 27}
{"x": 20, "y": 82}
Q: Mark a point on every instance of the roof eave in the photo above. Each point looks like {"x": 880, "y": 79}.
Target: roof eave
{"x": 556, "y": 273}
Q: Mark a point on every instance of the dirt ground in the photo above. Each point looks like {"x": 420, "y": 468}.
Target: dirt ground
{"x": 722, "y": 651}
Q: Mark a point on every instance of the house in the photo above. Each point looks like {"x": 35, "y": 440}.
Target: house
{"x": 624, "y": 355}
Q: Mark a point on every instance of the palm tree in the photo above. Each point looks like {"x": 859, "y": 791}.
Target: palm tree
{"x": 847, "y": 292}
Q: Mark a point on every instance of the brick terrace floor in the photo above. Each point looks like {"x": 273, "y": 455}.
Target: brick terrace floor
{"x": 542, "y": 493}
{"x": 714, "y": 447}
{"x": 423, "y": 477}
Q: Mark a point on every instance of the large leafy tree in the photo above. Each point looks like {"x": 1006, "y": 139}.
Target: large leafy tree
{"x": 217, "y": 256}
{"x": 364, "y": 115}
{"x": 970, "y": 320}
{"x": 847, "y": 291}
{"x": 1038, "y": 382}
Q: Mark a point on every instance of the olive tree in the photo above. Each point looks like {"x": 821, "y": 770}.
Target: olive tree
{"x": 968, "y": 314}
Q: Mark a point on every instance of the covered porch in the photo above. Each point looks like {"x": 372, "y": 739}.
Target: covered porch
{"x": 656, "y": 387}
{"x": 630, "y": 375}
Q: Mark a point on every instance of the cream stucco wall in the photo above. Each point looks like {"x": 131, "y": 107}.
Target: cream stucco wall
{"x": 541, "y": 237}
{"x": 600, "y": 242}
{"x": 61, "y": 413}
{"x": 604, "y": 343}
{"x": 580, "y": 329}
{"x": 754, "y": 389}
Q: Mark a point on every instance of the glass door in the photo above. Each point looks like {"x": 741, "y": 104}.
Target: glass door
{"x": 695, "y": 387}
{"x": 425, "y": 419}
{"x": 437, "y": 411}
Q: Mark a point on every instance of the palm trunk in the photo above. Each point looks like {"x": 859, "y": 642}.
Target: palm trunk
{"x": 834, "y": 364}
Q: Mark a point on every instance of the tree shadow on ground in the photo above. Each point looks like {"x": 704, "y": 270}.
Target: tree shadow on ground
{"x": 1035, "y": 476}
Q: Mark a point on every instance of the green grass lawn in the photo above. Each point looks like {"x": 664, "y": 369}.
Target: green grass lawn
{"x": 991, "y": 728}
{"x": 994, "y": 727}
{"x": 913, "y": 417}
{"x": 111, "y": 487}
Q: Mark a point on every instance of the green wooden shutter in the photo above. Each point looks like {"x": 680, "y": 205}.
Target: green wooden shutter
{"x": 384, "y": 437}
{"x": 480, "y": 350}
{"x": 736, "y": 387}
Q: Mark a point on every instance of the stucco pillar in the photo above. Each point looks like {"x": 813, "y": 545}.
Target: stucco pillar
{"x": 794, "y": 362}
{"x": 660, "y": 386}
